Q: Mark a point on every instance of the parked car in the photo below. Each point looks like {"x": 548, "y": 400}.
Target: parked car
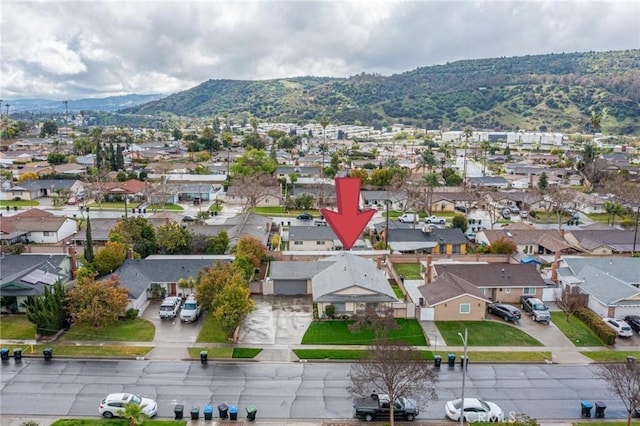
{"x": 170, "y": 307}
{"x": 475, "y": 410}
{"x": 506, "y": 215}
{"x": 620, "y": 327}
{"x": 435, "y": 219}
{"x": 114, "y": 403}
{"x": 378, "y": 406}
{"x": 538, "y": 310}
{"x": 514, "y": 209}
{"x": 462, "y": 209}
{"x": 524, "y": 214}
{"x": 190, "y": 310}
{"x": 471, "y": 236}
{"x": 633, "y": 321}
{"x": 408, "y": 218}
{"x": 305, "y": 216}
{"x": 504, "y": 311}
{"x": 188, "y": 218}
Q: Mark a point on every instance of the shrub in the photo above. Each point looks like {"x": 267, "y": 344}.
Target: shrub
{"x": 595, "y": 323}
{"x": 533, "y": 214}
{"x": 131, "y": 314}
{"x": 330, "y": 311}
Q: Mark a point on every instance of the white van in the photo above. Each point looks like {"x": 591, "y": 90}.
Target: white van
{"x": 170, "y": 307}
{"x": 408, "y": 218}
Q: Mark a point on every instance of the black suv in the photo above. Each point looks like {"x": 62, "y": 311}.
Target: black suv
{"x": 634, "y": 322}
{"x": 506, "y": 312}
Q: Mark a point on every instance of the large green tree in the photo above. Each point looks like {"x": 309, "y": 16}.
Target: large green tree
{"x": 49, "y": 310}
{"x": 110, "y": 258}
{"x": 232, "y": 305}
{"x": 137, "y": 232}
{"x": 97, "y": 303}
{"x": 254, "y": 161}
{"x": 172, "y": 238}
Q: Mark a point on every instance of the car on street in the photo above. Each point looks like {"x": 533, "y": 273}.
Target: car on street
{"x": 435, "y": 219}
{"x": 514, "y": 209}
{"x": 188, "y": 218}
{"x": 114, "y": 404}
{"x": 524, "y": 214}
{"x": 305, "y": 216}
{"x": 504, "y": 311}
{"x": 621, "y": 328}
{"x": 506, "y": 215}
{"x": 475, "y": 410}
{"x": 462, "y": 209}
{"x": 634, "y": 322}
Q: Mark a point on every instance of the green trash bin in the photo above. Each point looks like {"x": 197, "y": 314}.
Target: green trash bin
{"x": 203, "y": 356}
{"x": 195, "y": 412}
{"x": 251, "y": 413}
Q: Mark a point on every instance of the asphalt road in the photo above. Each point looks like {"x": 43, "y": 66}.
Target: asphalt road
{"x": 304, "y": 391}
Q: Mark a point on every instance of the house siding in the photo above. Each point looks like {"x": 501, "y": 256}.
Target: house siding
{"x": 450, "y": 310}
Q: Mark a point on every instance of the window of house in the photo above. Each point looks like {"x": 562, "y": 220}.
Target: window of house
{"x": 507, "y": 290}
{"x": 529, "y": 291}
{"x": 443, "y": 248}
{"x": 266, "y": 200}
{"x": 320, "y": 242}
{"x": 465, "y": 308}
{"x": 297, "y": 243}
{"x": 48, "y": 234}
{"x": 456, "y": 249}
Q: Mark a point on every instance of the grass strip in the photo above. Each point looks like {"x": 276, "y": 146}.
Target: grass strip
{"x": 611, "y": 356}
{"x": 575, "y": 330}
{"x": 485, "y": 333}
{"x": 136, "y": 330}
{"x": 16, "y": 327}
{"x": 83, "y": 350}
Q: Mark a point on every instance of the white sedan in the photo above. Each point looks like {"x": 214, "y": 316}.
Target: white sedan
{"x": 114, "y": 404}
{"x": 621, "y": 328}
{"x": 475, "y": 410}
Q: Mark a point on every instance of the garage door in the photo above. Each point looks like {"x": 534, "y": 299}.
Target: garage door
{"x": 289, "y": 287}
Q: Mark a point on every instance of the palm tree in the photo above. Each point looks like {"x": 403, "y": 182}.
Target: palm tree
{"x": 431, "y": 180}
{"x": 254, "y": 124}
{"x": 467, "y": 134}
{"x": 133, "y": 412}
{"x": 324, "y": 122}
{"x": 613, "y": 209}
{"x": 427, "y": 160}
{"x": 324, "y": 148}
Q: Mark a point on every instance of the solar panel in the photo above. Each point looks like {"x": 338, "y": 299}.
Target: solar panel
{"x": 40, "y": 276}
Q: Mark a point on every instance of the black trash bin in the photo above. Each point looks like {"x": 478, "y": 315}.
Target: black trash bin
{"x": 207, "y": 411}
{"x": 452, "y": 360}
{"x": 17, "y": 354}
{"x": 48, "y": 354}
{"x": 600, "y": 407}
{"x": 178, "y": 411}
{"x": 437, "y": 361}
{"x": 233, "y": 413}
{"x": 4, "y": 354}
{"x": 631, "y": 358}
{"x": 195, "y": 412}
{"x": 203, "y": 356}
{"x": 251, "y": 413}
{"x": 223, "y": 409}
{"x": 464, "y": 361}
{"x": 586, "y": 408}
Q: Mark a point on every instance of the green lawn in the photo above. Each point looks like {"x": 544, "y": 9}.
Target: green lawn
{"x": 337, "y": 333}
{"x": 16, "y": 327}
{"x": 346, "y": 354}
{"x": 479, "y": 356}
{"x": 111, "y": 205}
{"x": 611, "y": 356}
{"x": 82, "y": 350}
{"x": 210, "y": 332}
{"x": 165, "y": 207}
{"x": 575, "y": 330}
{"x": 410, "y": 271}
{"x": 246, "y": 353}
{"x": 225, "y": 353}
{"x": 398, "y": 292}
{"x": 115, "y": 422}
{"x": 20, "y": 203}
{"x": 137, "y": 330}
{"x": 484, "y": 333}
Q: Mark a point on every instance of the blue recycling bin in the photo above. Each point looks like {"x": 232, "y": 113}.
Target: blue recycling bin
{"x": 4, "y": 354}
{"x": 233, "y": 413}
{"x": 452, "y": 360}
{"x": 207, "y": 411}
{"x": 586, "y": 408}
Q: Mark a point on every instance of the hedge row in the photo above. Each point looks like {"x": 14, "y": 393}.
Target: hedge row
{"x": 595, "y": 323}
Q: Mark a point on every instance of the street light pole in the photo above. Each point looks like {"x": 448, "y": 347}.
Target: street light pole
{"x": 635, "y": 233}
{"x": 464, "y": 369}
{"x": 386, "y": 230}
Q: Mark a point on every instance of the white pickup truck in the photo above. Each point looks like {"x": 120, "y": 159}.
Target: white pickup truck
{"x": 170, "y": 307}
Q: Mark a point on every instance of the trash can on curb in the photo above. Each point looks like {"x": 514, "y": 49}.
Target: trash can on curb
{"x": 17, "y": 354}
{"x": 203, "y": 357}
{"x": 4, "y": 354}
{"x": 233, "y": 413}
{"x": 195, "y": 412}
{"x": 586, "y": 408}
{"x": 223, "y": 409}
{"x": 48, "y": 354}
{"x": 437, "y": 361}
{"x": 600, "y": 407}
{"x": 464, "y": 362}
{"x": 208, "y": 412}
{"x": 251, "y": 413}
{"x": 178, "y": 411}
{"x": 452, "y": 360}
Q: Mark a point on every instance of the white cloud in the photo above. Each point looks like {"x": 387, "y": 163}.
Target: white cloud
{"x": 72, "y": 49}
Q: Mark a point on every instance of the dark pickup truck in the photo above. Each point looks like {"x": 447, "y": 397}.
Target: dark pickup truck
{"x": 377, "y": 406}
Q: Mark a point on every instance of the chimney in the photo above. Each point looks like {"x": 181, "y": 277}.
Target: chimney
{"x": 427, "y": 271}
{"x": 562, "y": 232}
{"x": 379, "y": 262}
{"x": 130, "y": 253}
{"x": 73, "y": 261}
{"x": 554, "y": 267}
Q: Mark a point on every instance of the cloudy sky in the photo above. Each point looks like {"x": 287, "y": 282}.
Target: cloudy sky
{"x": 62, "y": 49}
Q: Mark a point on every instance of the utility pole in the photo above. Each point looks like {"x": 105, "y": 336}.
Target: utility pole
{"x": 464, "y": 369}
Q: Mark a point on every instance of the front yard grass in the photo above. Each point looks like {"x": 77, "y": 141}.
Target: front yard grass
{"x": 575, "y": 330}
{"x": 484, "y": 333}
{"x": 16, "y": 327}
{"x": 210, "y": 332}
{"x": 115, "y": 422}
{"x": 84, "y": 350}
{"x": 19, "y": 203}
{"x": 479, "y": 356}
{"x": 165, "y": 207}
{"x": 106, "y": 205}
{"x": 225, "y": 353}
{"x": 336, "y": 332}
{"x": 410, "y": 271}
{"x": 136, "y": 330}
{"x": 611, "y": 356}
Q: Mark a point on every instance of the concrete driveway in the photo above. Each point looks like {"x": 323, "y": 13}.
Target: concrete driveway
{"x": 277, "y": 323}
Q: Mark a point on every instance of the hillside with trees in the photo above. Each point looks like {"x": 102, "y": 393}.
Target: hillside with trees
{"x": 555, "y": 92}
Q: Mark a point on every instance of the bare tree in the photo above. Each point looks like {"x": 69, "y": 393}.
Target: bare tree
{"x": 569, "y": 301}
{"x": 395, "y": 368}
{"x": 623, "y": 379}
{"x": 375, "y": 318}
{"x": 252, "y": 189}
{"x": 559, "y": 199}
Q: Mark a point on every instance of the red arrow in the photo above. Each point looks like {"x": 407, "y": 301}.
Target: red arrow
{"x": 348, "y": 223}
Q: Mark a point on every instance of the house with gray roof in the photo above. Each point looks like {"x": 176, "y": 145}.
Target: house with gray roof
{"x": 424, "y": 238}
{"x": 602, "y": 242}
{"x": 26, "y": 275}
{"x": 346, "y": 281}
{"x": 317, "y": 238}
{"x": 451, "y": 298}
{"x": 158, "y": 274}
{"x": 612, "y": 283}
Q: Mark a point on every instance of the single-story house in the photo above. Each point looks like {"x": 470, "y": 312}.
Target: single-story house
{"x": 602, "y": 242}
{"x": 268, "y": 197}
{"x": 612, "y": 283}
{"x": 452, "y": 298}
{"x": 423, "y": 238}
{"x": 25, "y": 275}
{"x": 42, "y": 226}
{"x": 317, "y": 238}
{"x": 529, "y": 241}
